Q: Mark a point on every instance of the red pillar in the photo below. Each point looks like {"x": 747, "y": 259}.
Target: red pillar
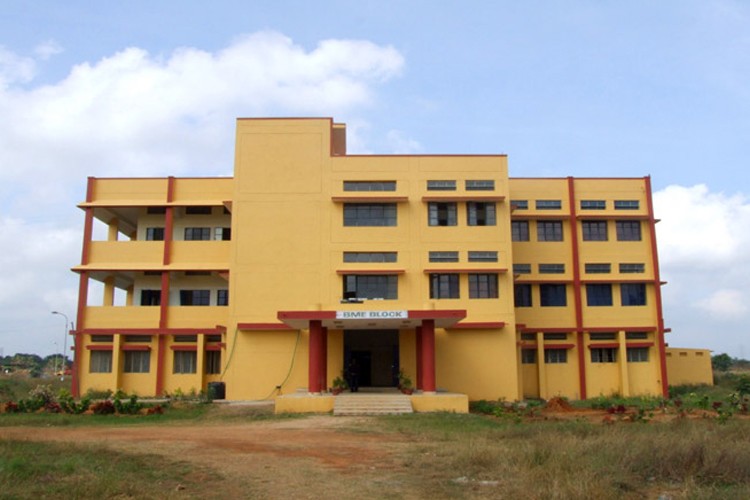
{"x": 428, "y": 355}
{"x": 315, "y": 355}
{"x": 324, "y": 360}
{"x": 419, "y": 357}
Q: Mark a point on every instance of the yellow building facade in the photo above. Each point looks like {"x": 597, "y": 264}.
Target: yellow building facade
{"x": 309, "y": 261}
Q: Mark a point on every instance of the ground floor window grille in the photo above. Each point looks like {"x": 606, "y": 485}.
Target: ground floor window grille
{"x": 604, "y": 355}
{"x": 368, "y": 286}
{"x": 528, "y": 356}
{"x": 637, "y": 354}
{"x": 137, "y": 361}
{"x": 184, "y": 362}
{"x": 555, "y": 356}
{"x": 100, "y": 362}
{"x": 213, "y": 362}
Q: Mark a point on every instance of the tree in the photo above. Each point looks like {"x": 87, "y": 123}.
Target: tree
{"x": 721, "y": 362}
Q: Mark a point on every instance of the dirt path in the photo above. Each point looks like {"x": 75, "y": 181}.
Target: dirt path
{"x": 305, "y": 458}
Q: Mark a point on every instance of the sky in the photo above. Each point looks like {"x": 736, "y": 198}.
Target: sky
{"x": 582, "y": 88}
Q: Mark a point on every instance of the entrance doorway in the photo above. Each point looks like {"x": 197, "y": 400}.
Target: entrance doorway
{"x": 375, "y": 353}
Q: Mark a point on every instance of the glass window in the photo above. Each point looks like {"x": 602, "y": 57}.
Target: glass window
{"x": 636, "y": 335}
{"x": 522, "y": 295}
{"x": 195, "y": 297}
{"x": 519, "y": 230}
{"x": 442, "y": 214}
{"x": 441, "y": 185}
{"x": 549, "y": 230}
{"x": 371, "y": 286}
{"x": 553, "y": 295}
{"x": 548, "y": 204}
{"x": 156, "y": 210}
{"x": 594, "y": 230}
{"x": 628, "y": 230}
{"x": 370, "y": 256}
{"x": 443, "y": 256}
{"x": 555, "y": 356}
{"x": 213, "y": 362}
{"x": 521, "y": 268}
{"x": 551, "y": 268}
{"x": 108, "y": 339}
{"x": 197, "y": 233}
{"x": 136, "y": 361}
{"x": 150, "y": 297}
{"x": 528, "y": 336}
{"x": 555, "y": 336}
{"x": 223, "y": 233}
{"x": 519, "y": 204}
{"x": 137, "y": 338}
{"x": 593, "y": 204}
{"x": 479, "y": 213}
{"x": 592, "y": 268}
{"x": 100, "y": 362}
{"x": 444, "y": 286}
{"x": 604, "y": 355}
{"x": 603, "y": 336}
{"x": 222, "y": 297}
{"x": 632, "y": 268}
{"x": 184, "y": 362}
{"x": 369, "y": 214}
{"x": 528, "y": 356}
{"x": 599, "y": 294}
{"x": 633, "y": 294}
{"x": 626, "y": 205}
{"x": 369, "y": 185}
{"x": 482, "y": 256}
{"x": 197, "y": 210}
{"x": 155, "y": 234}
{"x": 637, "y": 354}
{"x": 190, "y": 339}
{"x": 487, "y": 185}
{"x": 483, "y": 286}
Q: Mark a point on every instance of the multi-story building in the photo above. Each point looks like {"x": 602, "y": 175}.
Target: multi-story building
{"x": 309, "y": 259}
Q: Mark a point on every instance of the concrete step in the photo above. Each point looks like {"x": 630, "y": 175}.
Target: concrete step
{"x": 372, "y": 404}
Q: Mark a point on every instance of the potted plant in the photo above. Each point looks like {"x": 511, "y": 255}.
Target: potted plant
{"x": 339, "y": 385}
{"x": 404, "y": 383}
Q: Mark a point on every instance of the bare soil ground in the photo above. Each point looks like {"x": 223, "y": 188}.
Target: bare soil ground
{"x": 310, "y": 457}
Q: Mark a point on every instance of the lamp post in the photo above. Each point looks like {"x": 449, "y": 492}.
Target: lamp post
{"x": 65, "y": 340}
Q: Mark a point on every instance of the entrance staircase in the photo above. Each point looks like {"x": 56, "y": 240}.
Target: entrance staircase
{"x": 372, "y": 403}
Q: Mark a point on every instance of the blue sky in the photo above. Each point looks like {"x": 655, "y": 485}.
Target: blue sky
{"x": 564, "y": 88}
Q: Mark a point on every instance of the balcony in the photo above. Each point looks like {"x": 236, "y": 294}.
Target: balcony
{"x": 200, "y": 254}
{"x": 126, "y": 254}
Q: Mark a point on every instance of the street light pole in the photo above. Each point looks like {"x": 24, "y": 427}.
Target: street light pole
{"x": 65, "y": 340}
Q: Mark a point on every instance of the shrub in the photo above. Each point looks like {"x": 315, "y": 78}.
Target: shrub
{"x": 105, "y": 407}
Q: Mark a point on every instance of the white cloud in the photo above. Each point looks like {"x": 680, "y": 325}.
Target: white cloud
{"x": 399, "y": 143}
{"x": 133, "y": 113}
{"x": 724, "y": 304}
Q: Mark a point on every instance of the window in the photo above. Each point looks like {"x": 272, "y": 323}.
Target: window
{"x": 519, "y": 230}
{"x": 107, "y": 339}
{"x": 636, "y": 335}
{"x": 369, "y": 214}
{"x": 370, "y": 256}
{"x": 195, "y": 297}
{"x": 603, "y": 336}
{"x": 594, "y": 230}
{"x": 137, "y": 338}
{"x": 548, "y": 204}
{"x": 480, "y": 185}
{"x": 369, "y": 185}
{"x": 521, "y": 268}
{"x": 197, "y": 233}
{"x": 100, "y": 362}
{"x": 479, "y": 213}
{"x": 549, "y": 230}
{"x": 591, "y": 268}
{"x": 628, "y": 230}
{"x": 150, "y": 297}
{"x": 626, "y": 205}
{"x": 522, "y": 295}
{"x": 599, "y": 294}
{"x": 213, "y": 338}
{"x": 222, "y": 297}
{"x": 593, "y": 204}
{"x": 184, "y": 362}
{"x": 528, "y": 356}
{"x": 441, "y": 214}
{"x": 154, "y": 234}
{"x": 136, "y": 361}
{"x": 528, "y": 336}
{"x": 637, "y": 354}
{"x": 555, "y": 356}
{"x": 441, "y": 185}
{"x": 190, "y": 339}
{"x": 604, "y": 355}
{"x": 519, "y": 204}
{"x": 444, "y": 286}
{"x": 443, "y": 256}
{"x": 369, "y": 286}
{"x": 156, "y": 210}
{"x": 482, "y": 256}
{"x": 552, "y": 295}
{"x": 197, "y": 210}
{"x": 551, "y": 268}
{"x": 197, "y": 273}
{"x": 633, "y": 294}
{"x": 555, "y": 336}
{"x": 223, "y": 233}
{"x": 632, "y": 268}
{"x": 213, "y": 362}
{"x": 483, "y": 286}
